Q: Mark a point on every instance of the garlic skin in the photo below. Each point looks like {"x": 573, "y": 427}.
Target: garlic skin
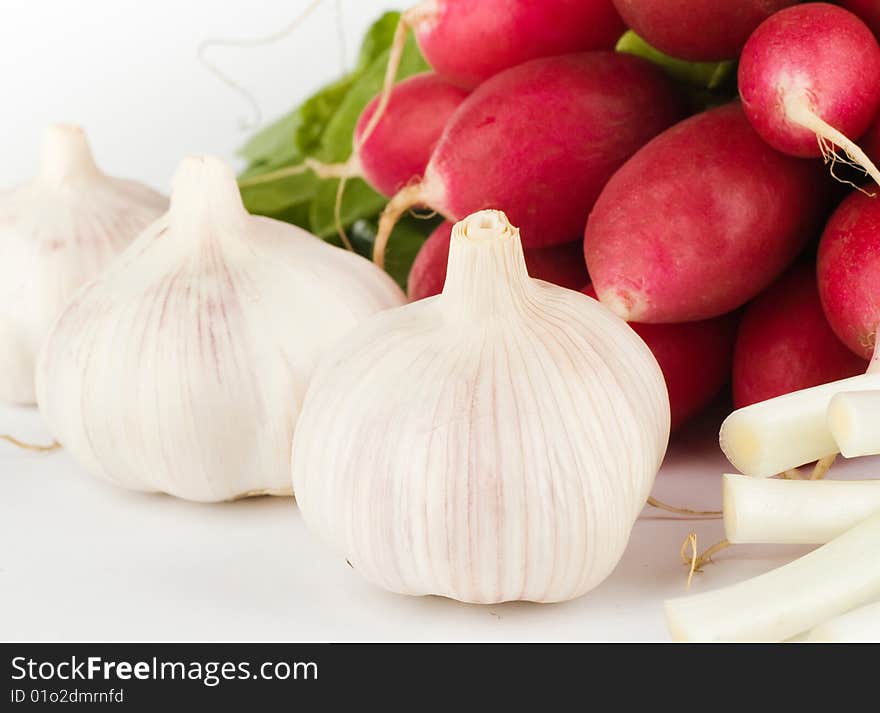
{"x": 181, "y": 369}
{"x": 495, "y": 442}
{"x": 57, "y": 232}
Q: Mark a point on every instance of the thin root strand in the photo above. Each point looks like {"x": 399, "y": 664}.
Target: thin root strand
{"x": 695, "y": 562}
{"x": 246, "y": 94}
{"x": 660, "y": 505}
{"x": 823, "y": 465}
{"x": 798, "y": 110}
{"x": 33, "y": 447}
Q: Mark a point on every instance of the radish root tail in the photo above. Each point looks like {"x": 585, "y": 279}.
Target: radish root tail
{"x": 35, "y": 448}
{"x": 405, "y": 199}
{"x": 797, "y": 110}
{"x": 660, "y": 505}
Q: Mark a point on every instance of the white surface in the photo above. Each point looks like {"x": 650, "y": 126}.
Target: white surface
{"x": 83, "y": 560}
{"x": 127, "y": 70}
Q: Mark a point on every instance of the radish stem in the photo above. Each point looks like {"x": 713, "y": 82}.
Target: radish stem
{"x": 786, "y": 601}
{"x": 347, "y": 169}
{"x": 795, "y": 511}
{"x": 405, "y": 199}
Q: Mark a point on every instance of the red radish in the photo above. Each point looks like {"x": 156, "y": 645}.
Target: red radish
{"x": 871, "y": 140}
{"x": 867, "y": 10}
{"x": 785, "y": 342}
{"x": 695, "y": 358}
{"x": 398, "y": 148}
{"x": 809, "y": 78}
{"x": 849, "y": 272}
{"x": 560, "y": 264}
{"x": 700, "y": 220}
{"x": 500, "y": 150}
{"x": 698, "y": 30}
{"x": 392, "y": 150}
{"x": 468, "y": 41}
{"x": 842, "y": 416}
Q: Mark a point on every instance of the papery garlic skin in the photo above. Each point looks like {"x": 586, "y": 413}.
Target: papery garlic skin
{"x": 495, "y": 442}
{"x": 182, "y": 368}
{"x": 57, "y": 232}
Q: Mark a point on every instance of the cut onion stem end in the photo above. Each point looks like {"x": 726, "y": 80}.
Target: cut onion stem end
{"x": 779, "y": 434}
{"x": 795, "y": 512}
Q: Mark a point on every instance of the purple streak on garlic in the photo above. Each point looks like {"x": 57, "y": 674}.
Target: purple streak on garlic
{"x": 57, "y": 232}
{"x": 182, "y": 368}
{"x": 495, "y": 442}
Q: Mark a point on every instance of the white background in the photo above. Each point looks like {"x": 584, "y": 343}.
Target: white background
{"x": 82, "y": 560}
{"x": 128, "y": 71}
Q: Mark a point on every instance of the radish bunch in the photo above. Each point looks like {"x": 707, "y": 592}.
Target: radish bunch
{"x": 683, "y": 219}
{"x": 734, "y": 224}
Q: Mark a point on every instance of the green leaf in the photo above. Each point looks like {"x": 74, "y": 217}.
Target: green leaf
{"x": 302, "y": 132}
{"x": 275, "y": 197}
{"x": 298, "y": 133}
{"x": 297, "y": 214}
{"x": 704, "y": 75}
{"x": 336, "y": 143}
{"x": 377, "y": 40}
{"x": 359, "y": 201}
{"x": 404, "y": 244}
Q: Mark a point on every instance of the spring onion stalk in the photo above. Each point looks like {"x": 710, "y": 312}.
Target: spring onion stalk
{"x": 795, "y": 512}
{"x": 854, "y": 422}
{"x": 835, "y": 578}
{"x": 859, "y": 626}
{"x": 773, "y": 436}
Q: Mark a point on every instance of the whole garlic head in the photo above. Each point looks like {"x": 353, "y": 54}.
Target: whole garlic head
{"x": 182, "y": 368}
{"x": 57, "y": 232}
{"x": 495, "y": 442}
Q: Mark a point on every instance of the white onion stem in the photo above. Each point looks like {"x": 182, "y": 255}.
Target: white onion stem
{"x": 773, "y": 436}
{"x": 795, "y": 512}
{"x": 854, "y": 422}
{"x": 775, "y": 606}
{"x": 859, "y": 626}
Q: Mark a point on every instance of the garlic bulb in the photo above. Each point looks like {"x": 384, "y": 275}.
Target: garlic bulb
{"x": 57, "y": 232}
{"x": 181, "y": 369}
{"x": 495, "y": 442}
